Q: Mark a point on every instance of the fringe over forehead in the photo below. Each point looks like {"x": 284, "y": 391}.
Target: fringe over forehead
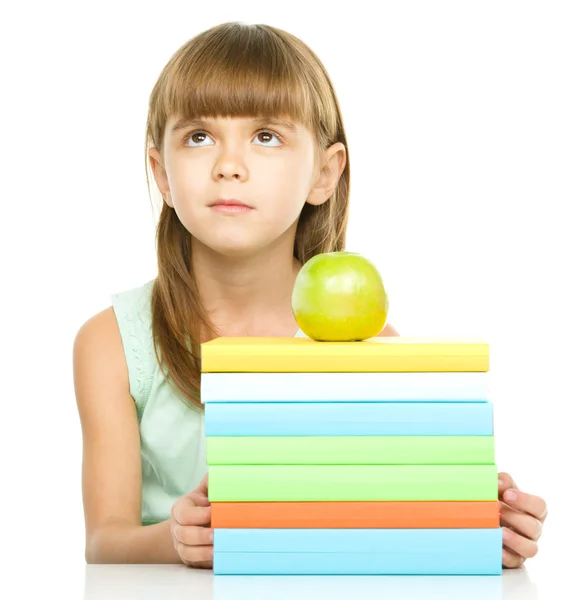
{"x": 242, "y": 70}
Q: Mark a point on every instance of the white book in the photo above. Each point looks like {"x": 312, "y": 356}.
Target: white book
{"x": 345, "y": 387}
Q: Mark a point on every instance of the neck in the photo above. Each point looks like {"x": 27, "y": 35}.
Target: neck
{"x": 248, "y": 296}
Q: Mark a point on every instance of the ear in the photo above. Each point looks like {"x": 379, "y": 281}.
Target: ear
{"x": 159, "y": 172}
{"x": 330, "y": 169}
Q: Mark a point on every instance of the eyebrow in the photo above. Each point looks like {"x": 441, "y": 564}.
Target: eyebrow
{"x": 183, "y": 123}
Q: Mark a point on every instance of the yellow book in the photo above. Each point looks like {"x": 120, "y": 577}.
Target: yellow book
{"x": 378, "y": 354}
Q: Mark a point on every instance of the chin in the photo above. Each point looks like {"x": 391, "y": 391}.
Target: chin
{"x": 232, "y": 247}
{"x": 239, "y": 242}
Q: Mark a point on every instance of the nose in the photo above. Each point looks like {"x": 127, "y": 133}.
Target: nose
{"x": 230, "y": 166}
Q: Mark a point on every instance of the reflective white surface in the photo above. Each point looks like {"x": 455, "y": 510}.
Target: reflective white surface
{"x": 172, "y": 582}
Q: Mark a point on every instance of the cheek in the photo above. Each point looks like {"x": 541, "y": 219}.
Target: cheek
{"x": 190, "y": 179}
{"x": 288, "y": 186}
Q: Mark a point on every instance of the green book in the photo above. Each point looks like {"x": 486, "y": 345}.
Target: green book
{"x": 359, "y": 483}
{"x": 351, "y": 450}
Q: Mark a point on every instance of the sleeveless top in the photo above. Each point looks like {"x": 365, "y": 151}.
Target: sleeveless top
{"x": 173, "y": 443}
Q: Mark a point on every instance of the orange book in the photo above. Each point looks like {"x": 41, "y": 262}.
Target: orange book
{"x": 355, "y": 515}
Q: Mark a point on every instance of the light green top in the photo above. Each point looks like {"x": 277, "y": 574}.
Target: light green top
{"x": 173, "y": 443}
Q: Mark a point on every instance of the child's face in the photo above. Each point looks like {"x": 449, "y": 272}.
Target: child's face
{"x": 241, "y": 159}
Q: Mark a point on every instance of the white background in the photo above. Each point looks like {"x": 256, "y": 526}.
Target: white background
{"x": 458, "y": 126}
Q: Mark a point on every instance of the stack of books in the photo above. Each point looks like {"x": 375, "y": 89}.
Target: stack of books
{"x": 371, "y": 457}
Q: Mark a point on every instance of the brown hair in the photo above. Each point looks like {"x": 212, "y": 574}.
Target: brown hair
{"x": 235, "y": 69}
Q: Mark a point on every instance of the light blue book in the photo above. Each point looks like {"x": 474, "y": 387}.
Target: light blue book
{"x": 358, "y": 551}
{"x": 348, "y": 418}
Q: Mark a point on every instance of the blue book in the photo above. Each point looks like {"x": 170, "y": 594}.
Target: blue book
{"x": 348, "y": 418}
{"x": 358, "y": 551}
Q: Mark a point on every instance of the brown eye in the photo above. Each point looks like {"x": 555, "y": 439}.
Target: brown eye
{"x": 271, "y": 134}
{"x": 266, "y": 136}
{"x": 196, "y": 137}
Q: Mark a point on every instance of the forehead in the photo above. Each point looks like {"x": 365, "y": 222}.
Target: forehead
{"x": 177, "y": 123}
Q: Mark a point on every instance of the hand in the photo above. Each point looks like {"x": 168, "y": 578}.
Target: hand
{"x": 522, "y": 518}
{"x": 191, "y": 534}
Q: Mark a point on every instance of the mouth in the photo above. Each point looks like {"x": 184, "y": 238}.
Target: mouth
{"x": 230, "y": 202}
{"x": 230, "y": 206}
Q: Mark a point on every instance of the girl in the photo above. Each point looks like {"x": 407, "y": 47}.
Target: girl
{"x": 246, "y": 143}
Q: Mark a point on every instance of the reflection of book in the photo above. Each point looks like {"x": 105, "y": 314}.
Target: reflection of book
{"x": 354, "y": 515}
{"x": 340, "y": 587}
{"x": 380, "y": 354}
{"x": 296, "y": 483}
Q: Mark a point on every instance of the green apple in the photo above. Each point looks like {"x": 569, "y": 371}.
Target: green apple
{"x": 339, "y": 297}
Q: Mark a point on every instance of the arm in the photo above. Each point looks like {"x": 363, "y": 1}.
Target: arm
{"x": 111, "y": 470}
{"x": 126, "y": 543}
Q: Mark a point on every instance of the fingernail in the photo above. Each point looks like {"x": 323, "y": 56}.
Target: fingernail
{"x": 510, "y": 495}
{"x": 212, "y": 536}
{"x": 501, "y": 483}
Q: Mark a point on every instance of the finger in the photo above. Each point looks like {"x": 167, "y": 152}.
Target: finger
{"x": 201, "y": 565}
{"x": 519, "y": 544}
{"x": 524, "y": 524}
{"x": 533, "y": 505}
{"x": 189, "y": 514}
{"x": 192, "y": 536}
{"x": 196, "y": 556}
{"x": 203, "y": 486}
{"x": 511, "y": 560}
{"x": 199, "y": 498}
{"x": 505, "y": 482}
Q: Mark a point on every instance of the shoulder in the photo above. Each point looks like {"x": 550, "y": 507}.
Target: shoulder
{"x": 119, "y": 340}
{"x": 388, "y": 331}
{"x": 98, "y": 347}
{"x": 99, "y": 330}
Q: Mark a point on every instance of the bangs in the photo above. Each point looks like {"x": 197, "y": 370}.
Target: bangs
{"x": 246, "y": 72}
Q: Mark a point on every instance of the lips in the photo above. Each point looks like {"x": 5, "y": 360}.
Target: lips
{"x": 230, "y": 202}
